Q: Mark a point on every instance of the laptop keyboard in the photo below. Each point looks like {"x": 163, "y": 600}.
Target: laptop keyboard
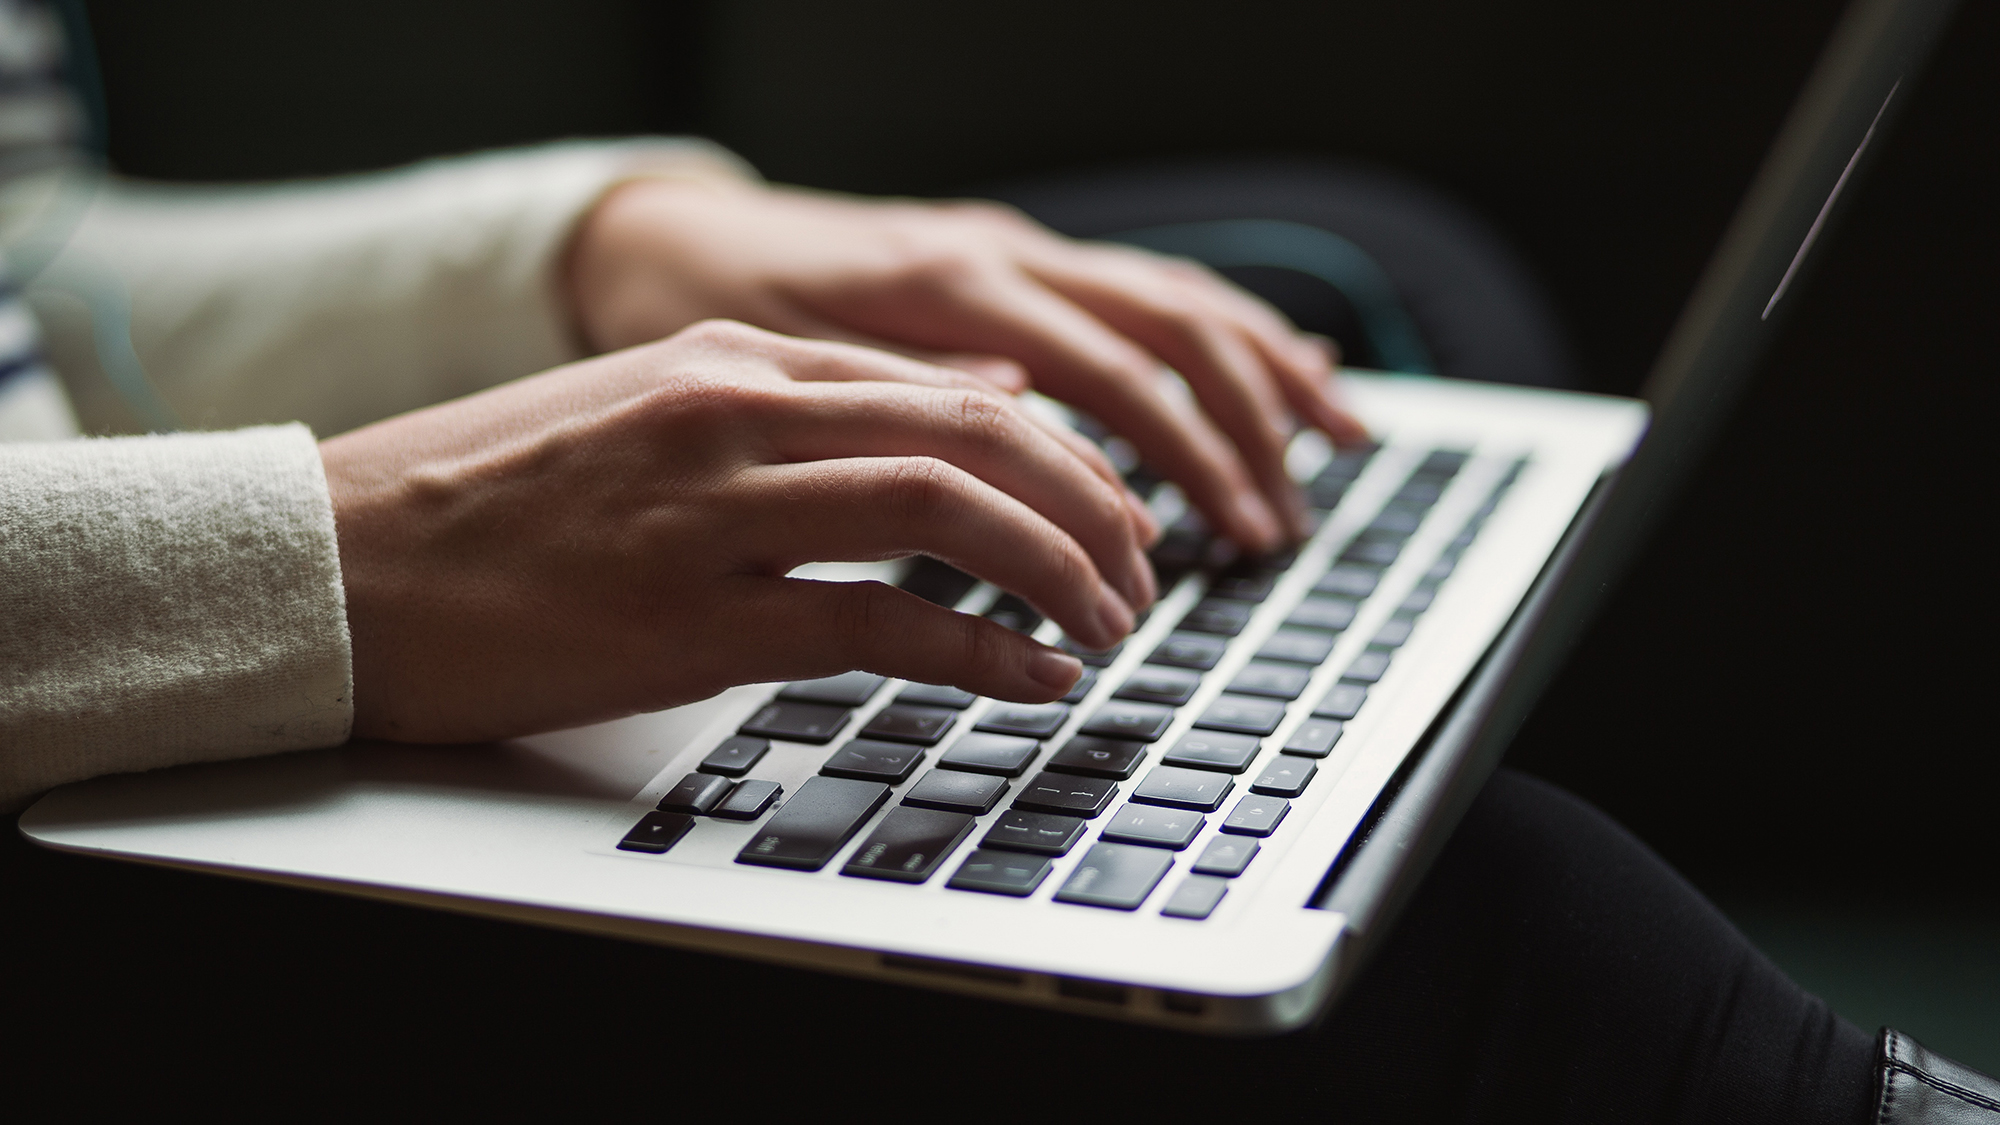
{"x": 985, "y": 791}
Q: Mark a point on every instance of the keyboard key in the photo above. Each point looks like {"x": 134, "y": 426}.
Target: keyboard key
{"x": 1315, "y": 737}
{"x": 1196, "y": 897}
{"x": 1244, "y": 585}
{"x": 1139, "y": 722}
{"x": 1116, "y": 876}
{"x": 936, "y": 695}
{"x": 1154, "y": 683}
{"x": 1296, "y": 646}
{"x": 1176, "y": 787}
{"x": 1278, "y": 681}
{"x": 1394, "y": 632}
{"x": 1082, "y": 686}
{"x": 909, "y": 845}
{"x": 1398, "y": 519}
{"x": 1034, "y": 720}
{"x": 1189, "y": 650}
{"x": 1257, "y": 815}
{"x": 1091, "y": 657}
{"x": 1330, "y": 614}
{"x": 1442, "y": 568}
{"x": 748, "y": 801}
{"x": 1213, "y": 750}
{"x": 1419, "y": 600}
{"x": 656, "y": 832}
{"x": 821, "y": 817}
{"x": 696, "y": 793}
{"x": 1349, "y": 581}
{"x": 1284, "y": 776}
{"x": 1419, "y": 492}
{"x": 849, "y": 689}
{"x": 1372, "y": 552}
{"x": 957, "y": 791}
{"x": 1242, "y": 715}
{"x": 921, "y": 725}
{"x": 1154, "y": 827}
{"x": 736, "y": 756}
{"x": 1223, "y": 618}
{"x": 797, "y": 722}
{"x": 1003, "y": 755}
{"x": 1000, "y": 873}
{"x": 1444, "y": 462}
{"x": 1341, "y": 701}
{"x": 937, "y": 583}
{"x": 1013, "y": 613}
{"x": 1226, "y": 855}
{"x": 864, "y": 760}
{"x": 1368, "y": 667}
{"x": 1099, "y": 757}
{"x": 1066, "y": 794}
{"x": 1041, "y": 833}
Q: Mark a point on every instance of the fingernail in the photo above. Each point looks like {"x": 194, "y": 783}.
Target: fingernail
{"x": 1113, "y": 615}
{"x": 1262, "y": 520}
{"x": 1053, "y": 670}
{"x": 1148, "y": 586}
{"x": 1142, "y": 519}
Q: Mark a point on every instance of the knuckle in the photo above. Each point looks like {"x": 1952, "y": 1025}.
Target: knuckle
{"x": 982, "y": 418}
{"x": 924, "y": 490}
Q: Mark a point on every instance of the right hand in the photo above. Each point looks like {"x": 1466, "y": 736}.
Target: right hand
{"x": 614, "y": 536}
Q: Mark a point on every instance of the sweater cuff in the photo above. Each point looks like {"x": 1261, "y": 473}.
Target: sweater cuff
{"x": 165, "y": 600}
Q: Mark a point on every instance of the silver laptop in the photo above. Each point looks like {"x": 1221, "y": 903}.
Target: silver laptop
{"x": 1211, "y": 829}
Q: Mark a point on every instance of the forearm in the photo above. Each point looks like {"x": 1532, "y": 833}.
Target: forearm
{"x": 339, "y": 301}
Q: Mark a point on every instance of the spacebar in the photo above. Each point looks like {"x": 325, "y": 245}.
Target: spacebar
{"x": 809, "y": 828}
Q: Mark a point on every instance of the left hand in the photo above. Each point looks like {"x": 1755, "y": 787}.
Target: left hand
{"x": 983, "y": 289}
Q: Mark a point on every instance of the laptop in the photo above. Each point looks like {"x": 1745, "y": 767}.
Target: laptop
{"x": 1215, "y": 825}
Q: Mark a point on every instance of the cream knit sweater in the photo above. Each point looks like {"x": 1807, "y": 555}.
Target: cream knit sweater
{"x": 177, "y": 598}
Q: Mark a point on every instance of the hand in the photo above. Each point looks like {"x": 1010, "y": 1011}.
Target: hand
{"x": 614, "y": 536}
{"x": 979, "y": 287}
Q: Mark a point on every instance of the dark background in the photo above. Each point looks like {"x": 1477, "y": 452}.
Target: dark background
{"x": 1786, "y": 698}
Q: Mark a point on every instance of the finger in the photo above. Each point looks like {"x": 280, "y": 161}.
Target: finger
{"x": 987, "y": 437}
{"x": 817, "y": 628}
{"x": 995, "y": 370}
{"x": 869, "y": 508}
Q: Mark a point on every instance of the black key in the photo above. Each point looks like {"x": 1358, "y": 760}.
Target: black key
{"x": 1015, "y": 614}
{"x": 1140, "y": 722}
{"x": 1175, "y": 787}
{"x": 1082, "y": 686}
{"x": 908, "y": 845}
{"x": 1256, "y": 815}
{"x": 1154, "y": 683}
{"x": 1277, "y": 681}
{"x": 1419, "y": 491}
{"x": 1117, "y": 876}
{"x": 1243, "y": 585}
{"x": 957, "y": 791}
{"x": 1315, "y": 737}
{"x": 1153, "y": 827}
{"x": 937, "y": 583}
{"x": 1349, "y": 581}
{"x": 1326, "y": 493}
{"x": 1003, "y": 755}
{"x": 1372, "y": 552}
{"x": 1189, "y": 650}
{"x": 1284, "y": 776}
{"x": 921, "y": 725}
{"x": 1368, "y": 667}
{"x": 1041, "y": 833}
{"x": 1444, "y": 462}
{"x": 1242, "y": 715}
{"x": 1399, "y": 519}
{"x": 1442, "y": 568}
{"x": 657, "y": 832}
{"x": 1091, "y": 657}
{"x": 1419, "y": 600}
{"x": 696, "y": 793}
{"x": 1341, "y": 701}
{"x": 1035, "y": 720}
{"x": 1223, "y": 618}
{"x": 823, "y": 815}
{"x": 1196, "y": 897}
{"x": 748, "y": 801}
{"x": 864, "y": 760}
{"x": 797, "y": 722}
{"x": 1213, "y": 750}
{"x": 1066, "y": 794}
{"x": 1226, "y": 855}
{"x": 735, "y": 757}
{"x": 849, "y": 689}
{"x": 936, "y": 695}
{"x": 1331, "y": 614}
{"x": 1000, "y": 873}
{"x": 1394, "y": 632}
{"x": 1296, "y": 646}
{"x": 1099, "y": 757}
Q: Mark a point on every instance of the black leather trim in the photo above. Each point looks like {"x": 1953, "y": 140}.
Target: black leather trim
{"x": 1914, "y": 1086}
